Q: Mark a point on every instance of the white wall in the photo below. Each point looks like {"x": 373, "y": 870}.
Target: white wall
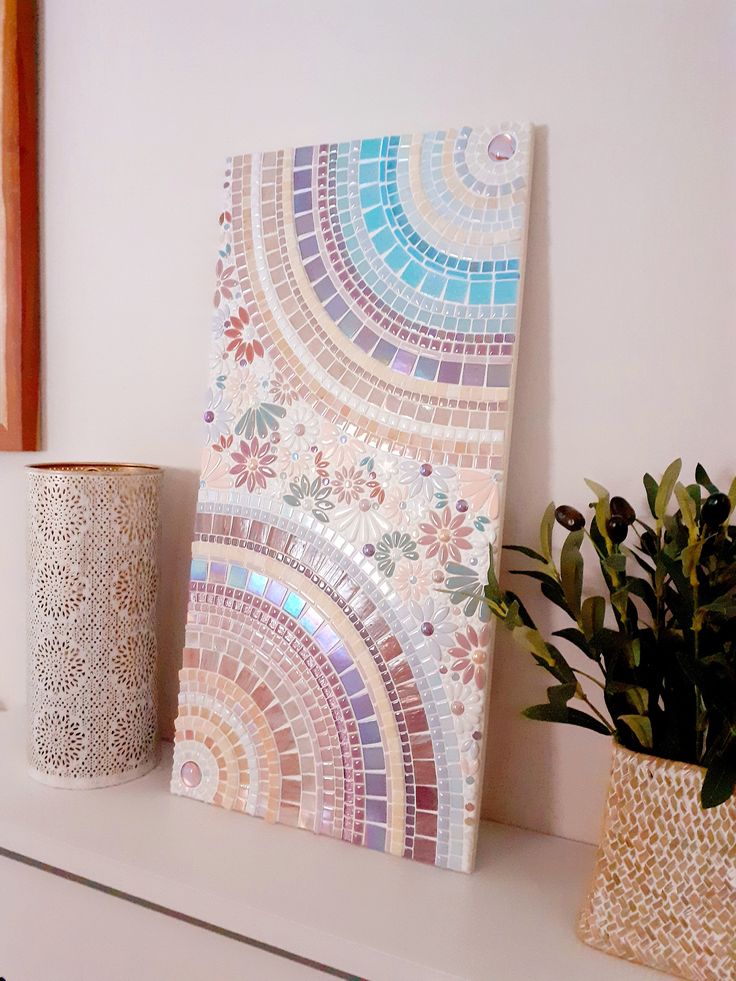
{"x": 627, "y": 356}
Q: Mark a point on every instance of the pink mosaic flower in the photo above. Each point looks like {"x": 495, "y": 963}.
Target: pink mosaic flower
{"x": 482, "y": 489}
{"x": 445, "y": 535}
{"x": 243, "y": 343}
{"x": 253, "y": 464}
{"x": 283, "y": 390}
{"x": 348, "y": 484}
{"x": 470, "y": 655}
{"x": 225, "y": 282}
{"x": 413, "y": 580}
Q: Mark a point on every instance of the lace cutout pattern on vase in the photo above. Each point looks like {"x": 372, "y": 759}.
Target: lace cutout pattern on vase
{"x": 92, "y": 541}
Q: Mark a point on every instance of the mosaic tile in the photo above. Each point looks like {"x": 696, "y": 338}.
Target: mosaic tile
{"x": 337, "y": 659}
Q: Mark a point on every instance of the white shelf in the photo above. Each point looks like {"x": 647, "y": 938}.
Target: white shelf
{"x": 355, "y": 910}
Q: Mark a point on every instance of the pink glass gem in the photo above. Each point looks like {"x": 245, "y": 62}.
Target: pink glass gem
{"x": 502, "y": 146}
{"x": 438, "y": 576}
{"x": 369, "y": 550}
{"x": 427, "y": 628}
{"x": 457, "y": 708}
{"x": 209, "y": 416}
{"x": 299, "y": 429}
{"x": 191, "y": 775}
{"x": 461, "y": 505}
{"x": 426, "y": 469}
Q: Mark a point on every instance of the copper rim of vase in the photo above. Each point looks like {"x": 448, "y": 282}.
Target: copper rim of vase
{"x": 97, "y": 469}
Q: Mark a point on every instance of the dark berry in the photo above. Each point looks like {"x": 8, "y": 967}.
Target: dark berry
{"x": 715, "y": 510}
{"x": 648, "y": 543}
{"x": 569, "y": 518}
{"x": 617, "y": 529}
{"x": 621, "y": 508}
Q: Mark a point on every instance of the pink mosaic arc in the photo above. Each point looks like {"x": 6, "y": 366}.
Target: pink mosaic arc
{"x": 337, "y": 658}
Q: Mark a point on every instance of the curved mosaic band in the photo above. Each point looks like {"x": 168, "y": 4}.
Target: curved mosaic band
{"x": 337, "y": 657}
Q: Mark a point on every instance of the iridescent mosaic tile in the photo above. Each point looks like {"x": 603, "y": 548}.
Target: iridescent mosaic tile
{"x": 337, "y": 658}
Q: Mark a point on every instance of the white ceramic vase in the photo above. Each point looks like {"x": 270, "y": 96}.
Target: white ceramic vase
{"x": 92, "y": 581}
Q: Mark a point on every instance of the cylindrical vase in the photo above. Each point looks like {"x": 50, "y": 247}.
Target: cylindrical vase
{"x": 92, "y": 581}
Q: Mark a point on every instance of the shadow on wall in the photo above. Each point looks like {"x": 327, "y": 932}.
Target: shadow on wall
{"x": 178, "y": 505}
{"x": 512, "y": 768}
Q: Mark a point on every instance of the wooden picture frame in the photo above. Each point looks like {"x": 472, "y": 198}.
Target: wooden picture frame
{"x": 19, "y": 228}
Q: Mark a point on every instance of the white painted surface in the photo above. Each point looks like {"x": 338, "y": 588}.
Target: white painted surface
{"x": 628, "y": 342}
{"x": 369, "y": 914}
{"x": 51, "y": 928}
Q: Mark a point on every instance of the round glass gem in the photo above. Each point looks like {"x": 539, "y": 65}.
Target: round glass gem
{"x": 369, "y": 550}
{"x": 191, "y": 775}
{"x": 427, "y": 628}
{"x": 502, "y": 146}
{"x": 426, "y": 469}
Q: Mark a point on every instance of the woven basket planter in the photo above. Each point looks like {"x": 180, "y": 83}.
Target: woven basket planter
{"x": 664, "y": 885}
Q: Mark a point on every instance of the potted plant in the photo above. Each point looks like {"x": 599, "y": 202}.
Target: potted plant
{"x": 659, "y": 645}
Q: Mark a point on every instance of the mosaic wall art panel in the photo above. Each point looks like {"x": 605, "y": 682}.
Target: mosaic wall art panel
{"x": 337, "y": 658}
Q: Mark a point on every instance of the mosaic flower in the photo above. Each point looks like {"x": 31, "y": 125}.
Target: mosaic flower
{"x": 466, "y": 588}
{"x": 412, "y": 580}
{"x": 59, "y": 740}
{"x": 292, "y": 465}
{"x": 445, "y": 535}
{"x": 245, "y": 389}
{"x": 58, "y": 590}
{"x": 402, "y": 511}
{"x": 217, "y": 419}
{"x": 481, "y": 489}
{"x": 424, "y": 479}
{"x": 391, "y": 549}
{"x": 465, "y": 705}
{"x": 134, "y": 660}
{"x": 215, "y": 468}
{"x": 349, "y": 484}
{"x": 260, "y": 419}
{"x": 310, "y": 496}
{"x": 243, "y": 343}
{"x": 134, "y": 591}
{"x": 360, "y": 521}
{"x": 253, "y": 465}
{"x": 435, "y": 624}
{"x": 132, "y": 733}
{"x": 225, "y": 282}
{"x": 470, "y": 654}
{"x": 60, "y": 667}
{"x": 283, "y": 390}
{"x": 58, "y": 510}
{"x": 300, "y": 428}
{"x": 219, "y": 321}
{"x": 340, "y": 447}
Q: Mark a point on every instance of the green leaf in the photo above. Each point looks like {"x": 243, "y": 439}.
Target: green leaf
{"x": 602, "y": 506}
{"x": 560, "y": 695}
{"x": 720, "y": 780}
{"x": 641, "y": 727}
{"x": 651, "y": 487}
{"x": 545, "y": 531}
{"x": 571, "y": 716}
{"x": 615, "y": 562}
{"x": 666, "y": 486}
{"x": 637, "y": 696}
{"x": 592, "y": 614}
{"x": 529, "y": 552}
{"x": 576, "y": 637}
{"x": 732, "y": 494}
{"x": 687, "y": 509}
{"x": 690, "y": 556}
{"x": 493, "y": 589}
{"x": 571, "y": 570}
{"x": 704, "y": 480}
